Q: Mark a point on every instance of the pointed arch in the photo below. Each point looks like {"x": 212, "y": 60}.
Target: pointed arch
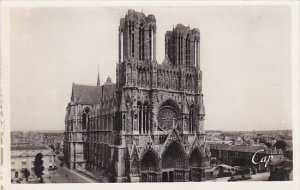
{"x": 174, "y": 157}
{"x": 149, "y": 161}
{"x": 170, "y": 102}
{"x": 195, "y": 158}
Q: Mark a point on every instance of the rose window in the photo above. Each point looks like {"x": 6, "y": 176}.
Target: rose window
{"x": 167, "y": 118}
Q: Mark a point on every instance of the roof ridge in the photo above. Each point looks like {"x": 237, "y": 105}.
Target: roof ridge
{"x": 90, "y": 85}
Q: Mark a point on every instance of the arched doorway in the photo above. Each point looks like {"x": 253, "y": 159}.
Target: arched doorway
{"x": 149, "y": 167}
{"x": 173, "y": 163}
{"x": 195, "y": 161}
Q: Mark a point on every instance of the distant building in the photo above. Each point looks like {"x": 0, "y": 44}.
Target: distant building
{"x": 288, "y": 153}
{"x": 52, "y": 138}
{"x": 22, "y": 157}
{"x": 242, "y": 155}
{"x": 281, "y": 170}
{"x": 19, "y": 138}
{"x": 216, "y": 141}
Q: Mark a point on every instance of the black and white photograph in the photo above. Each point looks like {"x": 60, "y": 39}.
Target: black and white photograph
{"x": 155, "y": 92}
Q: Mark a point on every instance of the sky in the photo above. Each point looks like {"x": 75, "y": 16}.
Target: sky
{"x": 244, "y": 56}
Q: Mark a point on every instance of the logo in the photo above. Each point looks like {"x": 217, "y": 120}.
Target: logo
{"x": 265, "y": 159}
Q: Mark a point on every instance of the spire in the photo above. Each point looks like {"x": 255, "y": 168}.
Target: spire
{"x": 98, "y": 78}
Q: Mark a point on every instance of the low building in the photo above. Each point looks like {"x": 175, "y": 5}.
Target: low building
{"x": 22, "y": 157}
{"x": 281, "y": 170}
{"x": 288, "y": 153}
{"x": 216, "y": 141}
{"x": 243, "y": 155}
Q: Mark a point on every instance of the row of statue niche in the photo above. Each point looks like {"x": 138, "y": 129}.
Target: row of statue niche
{"x": 190, "y": 84}
{"x": 168, "y": 82}
{"x": 143, "y": 79}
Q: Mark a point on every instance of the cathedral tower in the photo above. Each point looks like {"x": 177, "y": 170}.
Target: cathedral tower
{"x": 182, "y": 46}
{"x": 137, "y": 37}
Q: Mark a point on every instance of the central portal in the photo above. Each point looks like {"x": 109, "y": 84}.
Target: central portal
{"x": 173, "y": 163}
{"x": 168, "y": 176}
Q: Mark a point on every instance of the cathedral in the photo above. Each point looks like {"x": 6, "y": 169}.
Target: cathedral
{"x": 148, "y": 127}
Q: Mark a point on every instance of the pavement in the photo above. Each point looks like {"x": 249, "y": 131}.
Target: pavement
{"x": 65, "y": 175}
{"x": 260, "y": 177}
{"x": 96, "y": 176}
{"x": 219, "y": 179}
{"x": 254, "y": 177}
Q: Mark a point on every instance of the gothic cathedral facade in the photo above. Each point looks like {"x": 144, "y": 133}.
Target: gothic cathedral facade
{"x": 149, "y": 126}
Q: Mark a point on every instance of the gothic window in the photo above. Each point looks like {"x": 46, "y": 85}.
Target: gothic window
{"x": 181, "y": 48}
{"x": 108, "y": 127}
{"x": 71, "y": 125}
{"x": 132, "y": 39}
{"x": 167, "y": 118}
{"x": 150, "y": 41}
{"x": 98, "y": 123}
{"x": 124, "y": 123}
{"x": 143, "y": 78}
{"x": 195, "y": 51}
{"x": 187, "y": 83}
{"x": 187, "y": 50}
{"x": 105, "y": 123}
{"x": 141, "y": 42}
{"x": 143, "y": 118}
{"x": 158, "y": 80}
{"x": 85, "y": 119}
{"x": 191, "y": 119}
{"x": 121, "y": 46}
{"x": 139, "y": 106}
{"x": 148, "y": 77}
{"x": 193, "y": 85}
{"x": 146, "y": 118}
{"x": 138, "y": 77}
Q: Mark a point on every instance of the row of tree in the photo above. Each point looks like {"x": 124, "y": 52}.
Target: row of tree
{"x": 278, "y": 145}
{"x": 38, "y": 168}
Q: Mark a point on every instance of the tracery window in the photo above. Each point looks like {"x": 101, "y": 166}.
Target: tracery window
{"x": 144, "y": 118}
{"x": 191, "y": 119}
{"x": 167, "y": 118}
{"x": 187, "y": 50}
{"x": 141, "y": 42}
{"x": 85, "y": 118}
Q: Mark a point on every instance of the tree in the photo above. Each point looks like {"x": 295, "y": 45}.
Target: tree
{"x": 280, "y": 145}
{"x": 52, "y": 146}
{"x": 57, "y": 148}
{"x": 26, "y": 174}
{"x": 269, "y": 145}
{"x": 38, "y": 166}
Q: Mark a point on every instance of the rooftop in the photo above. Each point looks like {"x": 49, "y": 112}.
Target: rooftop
{"x": 234, "y": 148}
{"x": 29, "y": 147}
{"x": 87, "y": 94}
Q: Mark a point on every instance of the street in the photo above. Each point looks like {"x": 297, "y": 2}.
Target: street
{"x": 64, "y": 175}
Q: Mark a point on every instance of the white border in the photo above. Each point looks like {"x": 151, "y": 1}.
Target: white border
{"x": 5, "y": 84}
